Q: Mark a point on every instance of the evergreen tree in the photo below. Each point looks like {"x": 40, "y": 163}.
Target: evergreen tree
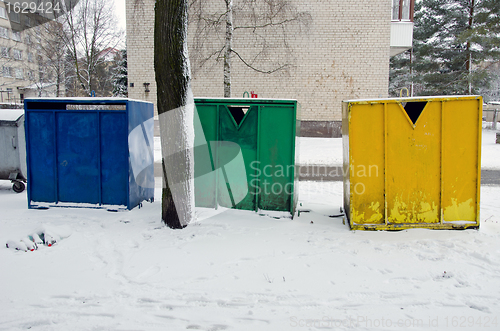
{"x": 492, "y": 92}
{"x": 400, "y": 74}
{"x": 454, "y": 40}
{"x": 119, "y": 76}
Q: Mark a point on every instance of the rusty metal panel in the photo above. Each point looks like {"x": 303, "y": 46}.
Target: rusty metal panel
{"x": 412, "y": 162}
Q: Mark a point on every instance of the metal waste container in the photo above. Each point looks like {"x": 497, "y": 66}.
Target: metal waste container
{"x": 89, "y": 152}
{"x": 412, "y": 162}
{"x": 249, "y": 155}
{"x": 13, "y": 148}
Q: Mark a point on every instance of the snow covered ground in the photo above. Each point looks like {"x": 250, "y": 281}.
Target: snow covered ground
{"x": 237, "y": 270}
{"x": 490, "y": 152}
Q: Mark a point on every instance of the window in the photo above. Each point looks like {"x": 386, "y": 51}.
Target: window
{"x": 18, "y": 73}
{"x": 402, "y": 10}
{"x": 4, "y": 51}
{"x": 16, "y": 35}
{"x": 27, "y": 20}
{"x": 3, "y": 13}
{"x": 395, "y": 10}
{"x": 4, "y": 32}
{"x": 7, "y": 71}
{"x": 28, "y": 39}
{"x": 405, "y": 10}
{"x": 31, "y": 75}
{"x": 17, "y": 54}
{"x": 31, "y": 58}
{"x": 15, "y": 17}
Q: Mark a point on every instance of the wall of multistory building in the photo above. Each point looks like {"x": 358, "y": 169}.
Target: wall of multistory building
{"x": 338, "y": 50}
{"x": 20, "y": 58}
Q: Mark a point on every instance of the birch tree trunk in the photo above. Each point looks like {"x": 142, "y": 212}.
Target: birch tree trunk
{"x": 175, "y": 110}
{"x": 228, "y": 48}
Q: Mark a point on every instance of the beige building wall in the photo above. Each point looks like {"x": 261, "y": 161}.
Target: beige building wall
{"x": 342, "y": 53}
{"x": 140, "y": 47}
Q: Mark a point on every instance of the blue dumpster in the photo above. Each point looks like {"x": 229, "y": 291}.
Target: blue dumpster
{"x": 89, "y": 152}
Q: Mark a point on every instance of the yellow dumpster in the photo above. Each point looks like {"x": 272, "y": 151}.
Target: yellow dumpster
{"x": 412, "y": 162}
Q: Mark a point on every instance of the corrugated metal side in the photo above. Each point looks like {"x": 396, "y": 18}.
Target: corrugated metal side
{"x": 412, "y": 162}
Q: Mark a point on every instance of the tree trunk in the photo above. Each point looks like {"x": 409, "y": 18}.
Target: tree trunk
{"x": 469, "y": 50}
{"x": 175, "y": 110}
{"x": 228, "y": 48}
{"x": 58, "y": 84}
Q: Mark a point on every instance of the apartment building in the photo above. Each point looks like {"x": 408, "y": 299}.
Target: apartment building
{"x": 22, "y": 74}
{"x": 341, "y": 51}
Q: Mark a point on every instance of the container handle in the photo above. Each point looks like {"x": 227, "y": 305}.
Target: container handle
{"x": 407, "y": 92}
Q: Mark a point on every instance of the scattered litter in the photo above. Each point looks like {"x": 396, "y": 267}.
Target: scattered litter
{"x": 29, "y": 244}
{"x": 17, "y": 245}
{"x": 45, "y": 235}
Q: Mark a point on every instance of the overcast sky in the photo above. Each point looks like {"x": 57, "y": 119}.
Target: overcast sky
{"x": 120, "y": 13}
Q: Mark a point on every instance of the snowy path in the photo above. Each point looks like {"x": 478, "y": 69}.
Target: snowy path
{"x": 241, "y": 271}
{"x": 321, "y": 156}
{"x": 328, "y": 151}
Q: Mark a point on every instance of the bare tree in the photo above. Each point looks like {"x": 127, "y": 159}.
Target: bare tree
{"x": 228, "y": 48}
{"x": 46, "y": 47}
{"x": 90, "y": 32}
{"x": 269, "y": 23}
{"x": 175, "y": 110}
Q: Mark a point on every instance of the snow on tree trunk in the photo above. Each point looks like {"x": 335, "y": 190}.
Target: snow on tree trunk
{"x": 228, "y": 48}
{"x": 175, "y": 110}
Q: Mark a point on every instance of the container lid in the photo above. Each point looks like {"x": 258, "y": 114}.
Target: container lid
{"x": 418, "y": 98}
{"x": 245, "y": 100}
{"x": 10, "y": 115}
{"x": 84, "y": 100}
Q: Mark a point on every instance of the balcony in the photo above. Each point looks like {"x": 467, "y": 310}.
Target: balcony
{"x": 402, "y": 26}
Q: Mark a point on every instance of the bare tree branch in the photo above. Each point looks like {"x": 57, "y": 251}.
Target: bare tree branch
{"x": 254, "y": 27}
{"x": 268, "y": 22}
{"x": 258, "y": 70}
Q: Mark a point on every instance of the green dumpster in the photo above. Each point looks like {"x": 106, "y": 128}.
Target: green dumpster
{"x": 245, "y": 154}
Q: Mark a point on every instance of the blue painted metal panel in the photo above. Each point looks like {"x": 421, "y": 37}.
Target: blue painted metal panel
{"x": 114, "y": 163}
{"x": 77, "y": 160}
{"x": 42, "y": 169}
{"x": 141, "y": 149}
{"x": 82, "y": 151}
